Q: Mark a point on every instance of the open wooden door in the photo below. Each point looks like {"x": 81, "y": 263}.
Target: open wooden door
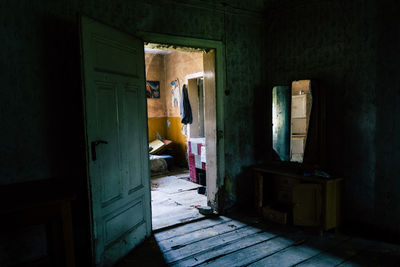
{"x": 116, "y": 135}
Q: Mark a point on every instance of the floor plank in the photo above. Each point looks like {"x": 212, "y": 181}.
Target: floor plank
{"x": 179, "y": 215}
{"x": 208, "y": 244}
{"x": 310, "y": 247}
{"x": 172, "y": 184}
{"x": 191, "y": 227}
{"x": 146, "y": 254}
{"x": 231, "y": 242}
{"x": 174, "y": 200}
{"x": 189, "y": 198}
{"x": 338, "y": 254}
{"x": 225, "y": 248}
{"x": 251, "y": 254}
{"x": 181, "y": 240}
{"x": 377, "y": 254}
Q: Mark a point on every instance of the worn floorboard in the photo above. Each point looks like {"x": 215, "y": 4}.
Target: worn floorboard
{"x": 182, "y": 240}
{"x": 208, "y": 244}
{"x": 309, "y": 247}
{"x": 191, "y": 227}
{"x": 375, "y": 254}
{"x": 219, "y": 250}
{"x": 337, "y": 254}
{"x": 174, "y": 200}
{"x": 179, "y": 215}
{"x": 251, "y": 254}
{"x": 229, "y": 241}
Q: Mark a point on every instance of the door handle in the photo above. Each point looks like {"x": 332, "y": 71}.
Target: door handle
{"x": 93, "y": 147}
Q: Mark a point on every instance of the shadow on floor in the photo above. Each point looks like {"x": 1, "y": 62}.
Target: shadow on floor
{"x": 240, "y": 240}
{"x": 146, "y": 254}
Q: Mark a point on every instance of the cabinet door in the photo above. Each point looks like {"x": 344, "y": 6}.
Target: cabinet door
{"x": 332, "y": 207}
{"x": 299, "y": 106}
{"x": 307, "y": 200}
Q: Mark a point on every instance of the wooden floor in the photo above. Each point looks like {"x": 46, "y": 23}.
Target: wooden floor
{"x": 225, "y": 241}
{"x": 174, "y": 200}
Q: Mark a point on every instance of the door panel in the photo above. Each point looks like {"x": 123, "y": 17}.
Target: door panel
{"x": 108, "y": 53}
{"x": 123, "y": 220}
{"x": 108, "y": 155}
{"x": 131, "y": 111}
{"x": 115, "y": 115}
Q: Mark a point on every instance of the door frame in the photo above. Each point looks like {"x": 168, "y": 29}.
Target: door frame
{"x": 193, "y": 76}
{"x": 220, "y": 81}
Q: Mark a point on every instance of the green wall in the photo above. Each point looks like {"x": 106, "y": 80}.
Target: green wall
{"x": 40, "y": 101}
{"x": 351, "y": 48}
{"x": 41, "y": 114}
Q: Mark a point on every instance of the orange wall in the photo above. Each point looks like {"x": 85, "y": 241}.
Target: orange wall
{"x": 174, "y": 133}
{"x": 156, "y": 109}
{"x": 157, "y": 128}
{"x": 178, "y": 65}
{"x": 155, "y": 71}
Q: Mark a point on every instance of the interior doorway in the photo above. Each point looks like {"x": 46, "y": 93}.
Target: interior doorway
{"x": 176, "y": 114}
{"x": 115, "y": 117}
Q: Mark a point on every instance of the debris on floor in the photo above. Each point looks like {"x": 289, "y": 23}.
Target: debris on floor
{"x": 174, "y": 200}
{"x": 205, "y": 210}
{"x": 154, "y": 186}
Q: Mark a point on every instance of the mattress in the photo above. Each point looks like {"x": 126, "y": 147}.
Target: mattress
{"x": 160, "y": 163}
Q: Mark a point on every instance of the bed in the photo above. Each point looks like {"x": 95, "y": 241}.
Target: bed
{"x": 159, "y": 162}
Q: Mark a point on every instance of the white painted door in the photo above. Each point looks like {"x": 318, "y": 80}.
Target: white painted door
{"x": 116, "y": 132}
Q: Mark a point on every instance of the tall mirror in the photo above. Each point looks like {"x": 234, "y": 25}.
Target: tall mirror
{"x": 291, "y": 110}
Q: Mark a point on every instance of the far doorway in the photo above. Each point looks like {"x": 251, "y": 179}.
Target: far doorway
{"x": 177, "y": 127}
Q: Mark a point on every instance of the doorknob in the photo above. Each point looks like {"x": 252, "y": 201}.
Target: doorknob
{"x": 93, "y": 147}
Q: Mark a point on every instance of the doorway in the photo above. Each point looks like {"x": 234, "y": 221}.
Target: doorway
{"x": 176, "y": 115}
{"x": 117, "y": 151}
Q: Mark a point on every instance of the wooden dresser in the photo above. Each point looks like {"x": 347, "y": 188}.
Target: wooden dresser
{"x": 286, "y": 195}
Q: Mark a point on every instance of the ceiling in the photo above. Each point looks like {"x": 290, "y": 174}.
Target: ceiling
{"x": 156, "y": 51}
{"x": 164, "y": 49}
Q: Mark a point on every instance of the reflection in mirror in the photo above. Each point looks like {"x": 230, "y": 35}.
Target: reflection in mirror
{"x": 291, "y": 109}
{"x": 301, "y": 110}
{"x": 281, "y": 121}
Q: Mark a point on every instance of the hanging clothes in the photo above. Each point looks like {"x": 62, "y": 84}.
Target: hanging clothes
{"x": 185, "y": 109}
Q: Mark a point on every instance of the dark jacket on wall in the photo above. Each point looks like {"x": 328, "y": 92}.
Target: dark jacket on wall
{"x": 185, "y": 109}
